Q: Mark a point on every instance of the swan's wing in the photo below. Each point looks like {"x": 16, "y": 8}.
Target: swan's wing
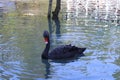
{"x": 63, "y": 51}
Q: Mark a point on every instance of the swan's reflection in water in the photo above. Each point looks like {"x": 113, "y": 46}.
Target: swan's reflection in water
{"x": 49, "y": 64}
{"x": 47, "y": 68}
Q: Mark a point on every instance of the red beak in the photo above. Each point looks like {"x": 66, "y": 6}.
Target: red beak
{"x": 46, "y": 40}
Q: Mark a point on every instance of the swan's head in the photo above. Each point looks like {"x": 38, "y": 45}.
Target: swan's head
{"x": 46, "y": 36}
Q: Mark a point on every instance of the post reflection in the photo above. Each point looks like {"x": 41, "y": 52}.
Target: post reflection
{"x": 57, "y": 26}
{"x": 56, "y": 21}
{"x": 54, "y": 18}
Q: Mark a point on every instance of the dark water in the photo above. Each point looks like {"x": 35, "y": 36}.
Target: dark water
{"x": 94, "y": 27}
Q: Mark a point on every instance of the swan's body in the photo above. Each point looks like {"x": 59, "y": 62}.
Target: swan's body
{"x": 61, "y": 52}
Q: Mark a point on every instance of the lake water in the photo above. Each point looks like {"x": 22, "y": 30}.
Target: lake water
{"x": 91, "y": 24}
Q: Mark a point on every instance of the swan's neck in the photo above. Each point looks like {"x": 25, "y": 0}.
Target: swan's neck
{"x": 46, "y": 51}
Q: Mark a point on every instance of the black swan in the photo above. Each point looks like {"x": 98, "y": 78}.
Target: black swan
{"x": 61, "y": 52}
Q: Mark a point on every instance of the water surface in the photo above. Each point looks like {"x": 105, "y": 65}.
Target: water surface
{"x": 93, "y": 27}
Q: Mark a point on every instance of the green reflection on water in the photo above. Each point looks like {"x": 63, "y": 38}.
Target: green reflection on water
{"x": 21, "y": 39}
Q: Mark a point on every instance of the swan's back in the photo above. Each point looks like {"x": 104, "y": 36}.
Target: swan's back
{"x": 65, "y": 51}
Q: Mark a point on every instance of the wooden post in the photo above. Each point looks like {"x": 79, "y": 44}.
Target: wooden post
{"x": 49, "y": 8}
{"x": 57, "y": 9}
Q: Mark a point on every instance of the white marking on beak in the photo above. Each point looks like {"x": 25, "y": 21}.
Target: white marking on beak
{"x": 46, "y": 42}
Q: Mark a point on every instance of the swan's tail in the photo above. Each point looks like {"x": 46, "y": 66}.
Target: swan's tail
{"x": 81, "y": 50}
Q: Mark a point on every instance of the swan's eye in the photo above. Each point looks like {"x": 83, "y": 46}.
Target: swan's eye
{"x": 46, "y": 40}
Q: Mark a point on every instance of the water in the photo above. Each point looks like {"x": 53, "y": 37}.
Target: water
{"x": 91, "y": 26}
